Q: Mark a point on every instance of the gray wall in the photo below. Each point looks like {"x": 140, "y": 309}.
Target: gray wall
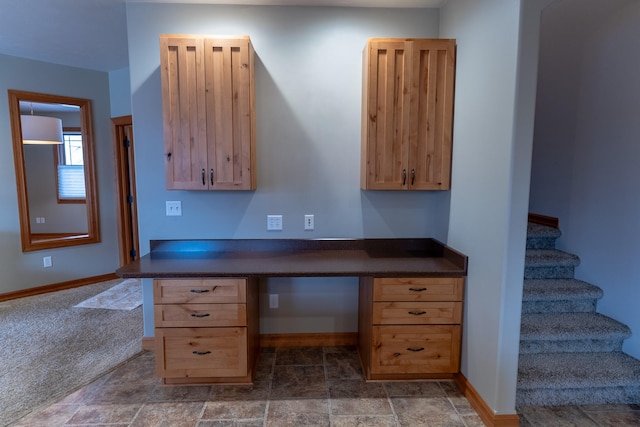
{"x": 25, "y": 270}
{"x": 308, "y": 90}
{"x": 585, "y": 169}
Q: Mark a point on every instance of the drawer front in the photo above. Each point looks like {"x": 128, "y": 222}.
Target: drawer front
{"x": 417, "y": 313}
{"x": 415, "y": 349}
{"x": 201, "y": 352}
{"x": 418, "y": 289}
{"x": 181, "y": 291}
{"x": 200, "y": 315}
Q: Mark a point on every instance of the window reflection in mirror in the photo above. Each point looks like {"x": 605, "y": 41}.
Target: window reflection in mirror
{"x": 55, "y": 182}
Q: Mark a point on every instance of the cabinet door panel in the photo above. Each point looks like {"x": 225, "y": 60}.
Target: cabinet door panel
{"x": 386, "y": 122}
{"x": 431, "y": 114}
{"x": 229, "y": 66}
{"x": 183, "y": 111}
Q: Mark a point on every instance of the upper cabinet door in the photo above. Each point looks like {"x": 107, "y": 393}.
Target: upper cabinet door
{"x": 183, "y": 113}
{"x": 229, "y": 68}
{"x": 208, "y": 112}
{"x": 407, "y": 114}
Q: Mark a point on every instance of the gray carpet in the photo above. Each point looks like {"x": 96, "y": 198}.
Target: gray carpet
{"x": 49, "y": 348}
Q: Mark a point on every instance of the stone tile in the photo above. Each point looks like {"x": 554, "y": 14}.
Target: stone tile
{"x": 121, "y": 394}
{"x": 167, "y": 414}
{"x": 616, "y": 419}
{"x": 431, "y": 411}
{"x": 86, "y": 393}
{"x": 234, "y": 410}
{"x": 364, "y": 421}
{"x": 185, "y": 393}
{"x": 264, "y": 370}
{"x": 473, "y": 420}
{"x": 105, "y": 414}
{"x": 296, "y": 413}
{"x": 557, "y": 416}
{"x": 355, "y": 388}
{"x": 232, "y": 423}
{"x": 57, "y": 414}
{"x": 343, "y": 366}
{"x": 357, "y": 397}
{"x": 299, "y": 356}
{"x": 414, "y": 388}
{"x": 256, "y": 391}
{"x": 610, "y": 408}
{"x": 140, "y": 369}
{"x": 341, "y": 349}
{"x": 298, "y": 382}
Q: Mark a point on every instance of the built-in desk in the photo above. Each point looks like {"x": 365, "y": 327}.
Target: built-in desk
{"x": 206, "y": 302}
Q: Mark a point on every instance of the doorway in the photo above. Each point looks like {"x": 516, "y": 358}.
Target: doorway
{"x": 129, "y": 248}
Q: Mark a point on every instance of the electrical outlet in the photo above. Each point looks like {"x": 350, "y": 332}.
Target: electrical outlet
{"x": 274, "y": 222}
{"x": 273, "y": 300}
{"x": 174, "y": 208}
{"x": 308, "y": 222}
{"x": 46, "y": 261}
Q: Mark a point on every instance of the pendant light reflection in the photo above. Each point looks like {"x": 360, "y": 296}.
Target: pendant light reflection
{"x": 41, "y": 130}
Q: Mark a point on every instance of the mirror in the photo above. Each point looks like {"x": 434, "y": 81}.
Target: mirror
{"x": 56, "y": 183}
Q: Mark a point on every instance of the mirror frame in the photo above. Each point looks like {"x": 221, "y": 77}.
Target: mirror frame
{"x": 93, "y": 225}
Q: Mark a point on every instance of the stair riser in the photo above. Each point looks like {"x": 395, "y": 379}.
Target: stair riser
{"x": 541, "y": 243}
{"x": 577, "y": 306}
{"x": 581, "y": 396}
{"x": 570, "y": 346}
{"x": 548, "y": 272}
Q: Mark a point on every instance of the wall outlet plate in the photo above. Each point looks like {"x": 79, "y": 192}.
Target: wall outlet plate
{"x": 308, "y": 222}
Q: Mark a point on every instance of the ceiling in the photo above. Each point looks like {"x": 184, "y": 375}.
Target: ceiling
{"x": 93, "y": 33}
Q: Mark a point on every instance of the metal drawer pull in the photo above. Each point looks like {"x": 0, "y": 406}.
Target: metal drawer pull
{"x": 202, "y": 291}
{"x": 200, "y": 315}
{"x": 201, "y": 353}
{"x": 417, "y": 313}
{"x": 415, "y": 349}
{"x": 417, "y": 289}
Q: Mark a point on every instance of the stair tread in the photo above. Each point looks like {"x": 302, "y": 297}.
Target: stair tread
{"x": 559, "y": 289}
{"x": 577, "y": 370}
{"x": 550, "y": 258}
{"x": 571, "y": 326}
{"x": 542, "y": 231}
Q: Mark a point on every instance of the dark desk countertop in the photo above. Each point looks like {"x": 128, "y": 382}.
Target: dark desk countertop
{"x": 297, "y": 258}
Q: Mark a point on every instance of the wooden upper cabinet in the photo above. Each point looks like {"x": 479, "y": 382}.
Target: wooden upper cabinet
{"x": 407, "y": 114}
{"x": 208, "y": 99}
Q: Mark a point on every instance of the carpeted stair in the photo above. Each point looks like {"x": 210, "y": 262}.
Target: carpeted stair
{"x": 569, "y": 354}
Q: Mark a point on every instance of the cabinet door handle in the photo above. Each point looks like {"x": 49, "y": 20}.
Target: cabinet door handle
{"x": 203, "y": 181}
{"x": 413, "y": 176}
{"x": 417, "y": 313}
{"x": 199, "y": 291}
{"x": 199, "y": 315}
{"x": 404, "y": 176}
{"x": 415, "y": 349}
{"x": 201, "y": 353}
{"x": 417, "y": 289}
{"x": 211, "y": 176}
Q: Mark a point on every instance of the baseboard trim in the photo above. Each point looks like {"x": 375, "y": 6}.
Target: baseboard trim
{"x": 489, "y": 418}
{"x": 329, "y": 339}
{"x": 148, "y": 343}
{"x": 549, "y": 221}
{"x": 56, "y": 287}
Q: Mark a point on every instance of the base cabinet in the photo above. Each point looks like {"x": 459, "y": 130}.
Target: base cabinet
{"x": 410, "y": 328}
{"x": 206, "y": 330}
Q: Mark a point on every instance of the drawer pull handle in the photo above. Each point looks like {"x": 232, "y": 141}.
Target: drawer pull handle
{"x": 417, "y": 289}
{"x": 415, "y": 349}
{"x": 202, "y": 291}
{"x": 201, "y": 353}
{"x": 417, "y": 313}
{"x": 200, "y": 315}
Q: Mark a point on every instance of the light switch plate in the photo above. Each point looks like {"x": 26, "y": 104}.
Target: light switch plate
{"x": 174, "y": 208}
{"x": 274, "y": 222}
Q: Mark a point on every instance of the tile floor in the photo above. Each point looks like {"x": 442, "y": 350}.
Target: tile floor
{"x": 294, "y": 387}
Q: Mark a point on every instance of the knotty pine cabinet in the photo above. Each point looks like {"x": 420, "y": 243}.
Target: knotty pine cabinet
{"x": 407, "y": 114}
{"x": 206, "y": 330}
{"x": 410, "y": 328}
{"x": 208, "y": 111}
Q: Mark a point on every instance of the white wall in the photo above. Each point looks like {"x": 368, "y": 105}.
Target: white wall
{"x": 497, "y": 57}
{"x": 25, "y": 270}
{"x": 308, "y": 90}
{"x": 120, "y": 92}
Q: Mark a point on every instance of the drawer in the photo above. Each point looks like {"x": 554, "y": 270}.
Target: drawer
{"x": 200, "y": 315}
{"x": 417, "y": 313}
{"x": 418, "y": 289}
{"x": 415, "y": 349}
{"x": 201, "y": 352}
{"x": 218, "y": 290}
